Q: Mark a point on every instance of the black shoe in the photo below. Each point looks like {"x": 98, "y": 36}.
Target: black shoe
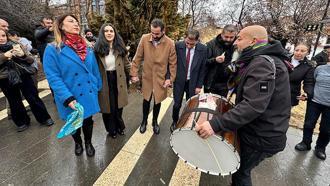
{"x": 120, "y": 132}
{"x": 78, "y": 149}
{"x": 22, "y": 128}
{"x": 9, "y": 117}
{"x": 302, "y": 146}
{"x": 143, "y": 126}
{"x": 90, "y": 151}
{"x": 173, "y": 126}
{"x": 48, "y": 122}
{"x": 155, "y": 126}
{"x": 320, "y": 153}
{"x": 112, "y": 135}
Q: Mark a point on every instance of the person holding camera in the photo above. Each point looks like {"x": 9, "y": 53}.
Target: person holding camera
{"x": 15, "y": 78}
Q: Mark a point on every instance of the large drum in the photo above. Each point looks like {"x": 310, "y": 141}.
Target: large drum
{"x": 216, "y": 155}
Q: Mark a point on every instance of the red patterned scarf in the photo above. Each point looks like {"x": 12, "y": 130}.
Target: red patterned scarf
{"x": 77, "y": 43}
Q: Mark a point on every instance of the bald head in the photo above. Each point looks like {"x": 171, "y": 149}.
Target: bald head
{"x": 251, "y": 35}
{"x": 4, "y": 25}
{"x": 255, "y": 32}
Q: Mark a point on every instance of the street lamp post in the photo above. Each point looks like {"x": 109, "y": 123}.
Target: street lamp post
{"x": 321, "y": 27}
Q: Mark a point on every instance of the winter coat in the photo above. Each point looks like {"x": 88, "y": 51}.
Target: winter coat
{"x": 262, "y": 109}
{"x": 157, "y": 60}
{"x": 302, "y": 73}
{"x": 122, "y": 69}
{"x": 71, "y": 79}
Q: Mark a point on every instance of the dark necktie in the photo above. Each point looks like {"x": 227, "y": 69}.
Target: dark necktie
{"x": 187, "y": 62}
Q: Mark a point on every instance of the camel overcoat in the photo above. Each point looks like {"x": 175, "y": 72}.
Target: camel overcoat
{"x": 157, "y": 61}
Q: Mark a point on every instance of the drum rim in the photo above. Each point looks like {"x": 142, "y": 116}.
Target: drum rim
{"x": 202, "y": 170}
{"x": 216, "y": 95}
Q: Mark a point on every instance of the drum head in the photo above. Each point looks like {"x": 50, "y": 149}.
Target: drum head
{"x": 212, "y": 155}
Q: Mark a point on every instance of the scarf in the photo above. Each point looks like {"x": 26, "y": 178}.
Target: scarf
{"x": 77, "y": 43}
{"x": 5, "y": 47}
{"x": 237, "y": 68}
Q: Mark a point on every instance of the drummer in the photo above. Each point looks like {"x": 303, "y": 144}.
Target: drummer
{"x": 191, "y": 60}
{"x": 262, "y": 109}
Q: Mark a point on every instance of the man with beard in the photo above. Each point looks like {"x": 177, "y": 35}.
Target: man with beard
{"x": 44, "y": 34}
{"x": 220, "y": 51}
{"x": 157, "y": 51}
{"x": 263, "y": 102}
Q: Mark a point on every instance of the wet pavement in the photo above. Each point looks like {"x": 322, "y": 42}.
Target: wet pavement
{"x": 37, "y": 157}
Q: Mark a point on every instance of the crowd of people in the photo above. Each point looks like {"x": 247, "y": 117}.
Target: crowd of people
{"x": 94, "y": 71}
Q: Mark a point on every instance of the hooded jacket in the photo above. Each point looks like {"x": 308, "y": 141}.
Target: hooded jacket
{"x": 262, "y": 109}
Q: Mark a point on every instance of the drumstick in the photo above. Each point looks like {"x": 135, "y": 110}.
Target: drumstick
{"x": 215, "y": 157}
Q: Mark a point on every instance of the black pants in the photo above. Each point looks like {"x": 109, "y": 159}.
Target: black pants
{"x": 113, "y": 121}
{"x": 313, "y": 112}
{"x": 250, "y": 158}
{"x": 178, "y": 102}
{"x": 87, "y": 129}
{"x": 146, "y": 108}
{"x": 30, "y": 93}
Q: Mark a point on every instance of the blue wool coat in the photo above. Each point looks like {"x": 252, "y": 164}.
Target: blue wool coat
{"x": 69, "y": 77}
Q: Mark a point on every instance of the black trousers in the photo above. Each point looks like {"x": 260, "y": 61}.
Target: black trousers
{"x": 178, "y": 102}
{"x": 146, "y": 108}
{"x": 313, "y": 112}
{"x": 30, "y": 92}
{"x": 250, "y": 158}
{"x": 113, "y": 121}
{"x": 87, "y": 130}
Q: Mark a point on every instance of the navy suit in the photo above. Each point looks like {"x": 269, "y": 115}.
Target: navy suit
{"x": 197, "y": 73}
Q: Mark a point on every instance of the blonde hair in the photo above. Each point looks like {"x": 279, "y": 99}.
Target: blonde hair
{"x": 58, "y": 32}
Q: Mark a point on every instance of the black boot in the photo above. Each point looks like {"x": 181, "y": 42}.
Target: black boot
{"x": 155, "y": 126}
{"x": 90, "y": 151}
{"x": 173, "y": 126}
{"x": 320, "y": 153}
{"x": 302, "y": 146}
{"x": 143, "y": 126}
{"x": 78, "y": 150}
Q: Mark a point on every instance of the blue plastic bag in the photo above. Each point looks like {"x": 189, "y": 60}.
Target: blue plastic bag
{"x": 73, "y": 122}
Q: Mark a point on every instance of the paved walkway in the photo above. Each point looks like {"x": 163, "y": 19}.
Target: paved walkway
{"x": 36, "y": 157}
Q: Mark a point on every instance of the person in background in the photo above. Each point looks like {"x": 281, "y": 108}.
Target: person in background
{"x": 114, "y": 67}
{"x": 72, "y": 71}
{"x": 90, "y": 37}
{"x": 303, "y": 72}
{"x": 191, "y": 61}
{"x": 318, "y": 104}
{"x": 220, "y": 51}
{"x": 44, "y": 35}
{"x": 11, "y": 53}
{"x": 323, "y": 57}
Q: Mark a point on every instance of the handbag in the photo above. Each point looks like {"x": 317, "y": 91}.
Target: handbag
{"x": 25, "y": 68}
{"x": 13, "y": 75}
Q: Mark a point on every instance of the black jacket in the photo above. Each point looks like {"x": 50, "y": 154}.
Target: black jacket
{"x": 43, "y": 36}
{"x": 216, "y": 74}
{"x": 197, "y": 71}
{"x": 304, "y": 72}
{"x": 321, "y": 58}
{"x": 262, "y": 109}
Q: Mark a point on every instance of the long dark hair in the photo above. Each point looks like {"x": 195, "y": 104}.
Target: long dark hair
{"x": 102, "y": 45}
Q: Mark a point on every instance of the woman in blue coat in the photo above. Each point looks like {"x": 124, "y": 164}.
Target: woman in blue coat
{"x": 72, "y": 72}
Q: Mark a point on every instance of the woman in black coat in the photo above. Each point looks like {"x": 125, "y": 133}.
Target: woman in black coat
{"x": 303, "y": 72}
{"x": 11, "y": 54}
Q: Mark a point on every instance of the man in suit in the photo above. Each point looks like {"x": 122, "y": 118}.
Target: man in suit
{"x": 191, "y": 60}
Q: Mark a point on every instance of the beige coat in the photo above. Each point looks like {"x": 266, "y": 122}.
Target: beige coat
{"x": 122, "y": 68}
{"x": 156, "y": 61}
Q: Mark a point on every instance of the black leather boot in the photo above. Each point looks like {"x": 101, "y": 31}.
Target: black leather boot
{"x": 320, "y": 153}
{"x": 173, "y": 126}
{"x": 90, "y": 151}
{"x": 302, "y": 146}
{"x": 155, "y": 126}
{"x": 143, "y": 126}
{"x": 78, "y": 149}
